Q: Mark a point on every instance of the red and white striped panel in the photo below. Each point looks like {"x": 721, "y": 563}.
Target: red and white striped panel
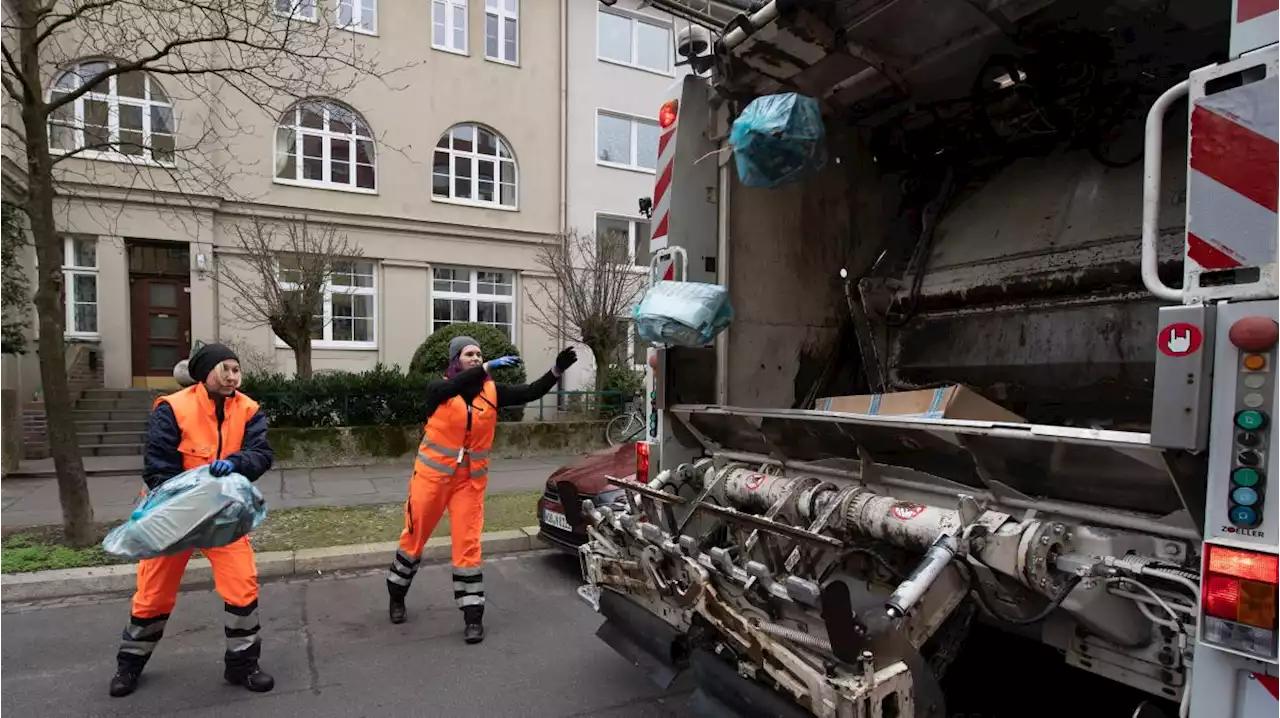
{"x": 658, "y": 240}
{"x": 1254, "y": 24}
{"x": 1232, "y": 177}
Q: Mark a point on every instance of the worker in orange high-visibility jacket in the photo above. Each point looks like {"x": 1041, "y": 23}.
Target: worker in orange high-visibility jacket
{"x": 209, "y": 423}
{"x": 451, "y": 472}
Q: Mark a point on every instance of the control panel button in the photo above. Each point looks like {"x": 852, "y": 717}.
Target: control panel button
{"x": 1249, "y": 457}
{"x": 1244, "y": 496}
{"x": 1254, "y": 334}
{"x": 1248, "y": 438}
{"x": 1255, "y": 362}
{"x": 1253, "y": 401}
{"x": 1255, "y": 381}
{"x": 1243, "y": 516}
{"x": 1251, "y": 420}
{"x": 1244, "y": 476}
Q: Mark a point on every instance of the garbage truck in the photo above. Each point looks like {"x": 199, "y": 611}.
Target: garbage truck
{"x": 1005, "y": 355}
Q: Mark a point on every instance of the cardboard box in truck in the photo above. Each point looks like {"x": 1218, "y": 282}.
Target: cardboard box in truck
{"x": 948, "y": 402}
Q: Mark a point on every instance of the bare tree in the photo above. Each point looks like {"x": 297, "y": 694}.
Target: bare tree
{"x": 214, "y": 55}
{"x": 597, "y": 286}
{"x": 287, "y": 266}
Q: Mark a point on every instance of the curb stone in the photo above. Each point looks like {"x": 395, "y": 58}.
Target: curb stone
{"x": 62, "y": 583}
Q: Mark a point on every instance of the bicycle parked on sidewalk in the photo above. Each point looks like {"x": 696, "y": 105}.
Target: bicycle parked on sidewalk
{"x": 627, "y": 426}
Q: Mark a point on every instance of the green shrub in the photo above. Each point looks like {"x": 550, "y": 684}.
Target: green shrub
{"x": 621, "y": 385}
{"x": 432, "y": 357}
{"x": 382, "y": 395}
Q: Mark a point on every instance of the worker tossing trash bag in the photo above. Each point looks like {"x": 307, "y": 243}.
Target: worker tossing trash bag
{"x": 194, "y": 509}
{"x": 687, "y": 314}
{"x": 778, "y": 139}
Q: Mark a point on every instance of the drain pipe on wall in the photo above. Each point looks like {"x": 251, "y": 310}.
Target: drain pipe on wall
{"x": 564, "y": 161}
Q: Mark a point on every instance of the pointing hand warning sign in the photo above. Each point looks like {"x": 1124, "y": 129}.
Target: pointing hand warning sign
{"x": 1179, "y": 340}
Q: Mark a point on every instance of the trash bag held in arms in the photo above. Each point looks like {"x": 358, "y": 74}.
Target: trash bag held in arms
{"x": 778, "y": 139}
{"x": 688, "y": 314}
{"x": 192, "y": 510}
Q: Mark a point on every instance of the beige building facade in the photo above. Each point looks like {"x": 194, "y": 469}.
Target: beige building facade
{"x": 448, "y": 176}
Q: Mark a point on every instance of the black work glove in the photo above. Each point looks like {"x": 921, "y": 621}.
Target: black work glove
{"x": 565, "y": 359}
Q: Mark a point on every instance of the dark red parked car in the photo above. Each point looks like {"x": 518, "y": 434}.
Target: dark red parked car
{"x": 560, "y": 508}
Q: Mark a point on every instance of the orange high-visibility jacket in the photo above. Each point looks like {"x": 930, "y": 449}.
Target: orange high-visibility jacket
{"x": 203, "y": 441}
{"x": 459, "y": 434}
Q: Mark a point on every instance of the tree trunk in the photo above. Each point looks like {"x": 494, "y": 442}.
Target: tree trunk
{"x": 601, "y": 358}
{"x": 73, "y": 489}
{"x": 302, "y": 359}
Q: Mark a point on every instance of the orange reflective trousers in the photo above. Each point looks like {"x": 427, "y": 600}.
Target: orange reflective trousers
{"x": 235, "y": 575}
{"x": 451, "y": 472}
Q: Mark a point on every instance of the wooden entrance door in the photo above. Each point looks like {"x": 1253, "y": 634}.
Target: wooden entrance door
{"x": 161, "y": 324}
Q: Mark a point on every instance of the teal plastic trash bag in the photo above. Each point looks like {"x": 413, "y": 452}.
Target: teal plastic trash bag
{"x": 194, "y": 509}
{"x": 778, "y": 139}
{"x": 687, "y": 314}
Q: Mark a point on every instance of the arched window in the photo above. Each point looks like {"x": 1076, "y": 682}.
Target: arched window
{"x": 474, "y": 165}
{"x": 126, "y": 116}
{"x": 323, "y": 144}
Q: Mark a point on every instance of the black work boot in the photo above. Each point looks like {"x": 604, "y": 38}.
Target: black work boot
{"x": 125, "y": 681}
{"x": 473, "y": 632}
{"x": 397, "y": 593}
{"x": 249, "y": 676}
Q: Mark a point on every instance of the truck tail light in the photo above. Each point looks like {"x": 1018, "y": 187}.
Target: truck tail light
{"x": 667, "y": 115}
{"x": 1239, "y": 598}
{"x": 642, "y": 462}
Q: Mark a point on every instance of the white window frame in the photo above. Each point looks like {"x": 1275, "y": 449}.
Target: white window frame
{"x": 330, "y": 289}
{"x": 635, "y": 19}
{"x": 635, "y": 120}
{"x": 497, "y": 9}
{"x": 305, "y": 10}
{"x": 325, "y": 135}
{"x": 632, "y": 337}
{"x": 473, "y": 296}
{"x": 114, "y": 102}
{"x": 453, "y": 10}
{"x": 632, "y": 228}
{"x": 475, "y": 156}
{"x": 70, "y": 270}
{"x": 358, "y": 10}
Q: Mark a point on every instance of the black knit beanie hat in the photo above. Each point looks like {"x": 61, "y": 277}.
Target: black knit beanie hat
{"x": 204, "y": 359}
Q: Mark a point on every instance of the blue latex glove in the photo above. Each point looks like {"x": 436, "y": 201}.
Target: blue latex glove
{"x": 221, "y": 467}
{"x": 504, "y": 361}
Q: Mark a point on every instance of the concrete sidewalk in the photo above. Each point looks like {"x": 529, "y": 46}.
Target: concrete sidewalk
{"x": 34, "y": 502}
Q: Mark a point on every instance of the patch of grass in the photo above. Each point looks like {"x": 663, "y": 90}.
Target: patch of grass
{"x": 43, "y": 548}
{"x": 292, "y": 529}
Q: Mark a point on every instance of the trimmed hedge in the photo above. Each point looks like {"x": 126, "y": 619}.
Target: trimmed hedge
{"x": 432, "y": 357}
{"x": 382, "y": 395}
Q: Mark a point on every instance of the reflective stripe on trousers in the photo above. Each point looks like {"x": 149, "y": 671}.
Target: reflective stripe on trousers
{"x": 468, "y": 586}
{"x": 235, "y": 576}
{"x": 429, "y": 497}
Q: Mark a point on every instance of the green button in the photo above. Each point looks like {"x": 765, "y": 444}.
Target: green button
{"x": 1250, "y": 419}
{"x": 1245, "y": 477}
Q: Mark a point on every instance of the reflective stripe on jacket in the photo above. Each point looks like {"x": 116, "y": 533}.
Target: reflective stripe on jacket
{"x": 459, "y": 434}
{"x": 204, "y": 440}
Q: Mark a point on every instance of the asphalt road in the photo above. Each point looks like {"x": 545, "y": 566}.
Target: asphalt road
{"x": 332, "y": 651}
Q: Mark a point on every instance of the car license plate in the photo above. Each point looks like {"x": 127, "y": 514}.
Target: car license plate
{"x": 556, "y": 519}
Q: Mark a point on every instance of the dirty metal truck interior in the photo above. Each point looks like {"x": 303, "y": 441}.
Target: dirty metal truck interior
{"x": 977, "y": 222}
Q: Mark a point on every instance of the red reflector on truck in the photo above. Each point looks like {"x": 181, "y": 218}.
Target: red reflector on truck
{"x": 642, "y": 462}
{"x": 667, "y": 115}
{"x": 1243, "y": 564}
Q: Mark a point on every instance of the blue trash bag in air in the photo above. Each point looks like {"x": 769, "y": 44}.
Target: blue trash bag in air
{"x": 194, "y": 509}
{"x": 687, "y": 314}
{"x": 778, "y": 139}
